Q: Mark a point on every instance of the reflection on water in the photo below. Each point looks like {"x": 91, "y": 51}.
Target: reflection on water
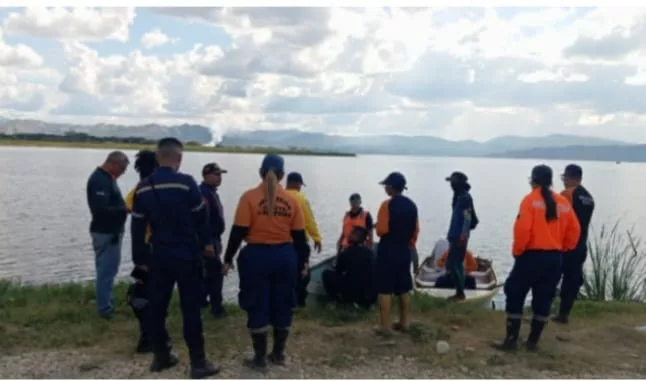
{"x": 44, "y": 217}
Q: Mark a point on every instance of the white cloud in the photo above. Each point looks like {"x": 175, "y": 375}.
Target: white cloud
{"x": 451, "y": 72}
{"x": 86, "y": 24}
{"x": 18, "y": 55}
{"x": 156, "y": 38}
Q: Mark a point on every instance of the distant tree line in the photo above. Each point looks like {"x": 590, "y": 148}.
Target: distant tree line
{"x": 71, "y": 136}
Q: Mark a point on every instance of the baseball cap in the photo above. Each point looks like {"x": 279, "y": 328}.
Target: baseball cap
{"x": 169, "y": 141}
{"x": 273, "y": 161}
{"x": 573, "y": 170}
{"x": 395, "y": 180}
{"x": 458, "y": 177}
{"x": 212, "y": 168}
{"x": 295, "y": 177}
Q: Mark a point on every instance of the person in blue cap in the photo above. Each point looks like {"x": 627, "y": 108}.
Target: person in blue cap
{"x": 271, "y": 222}
{"x": 572, "y": 266}
{"x": 398, "y": 228}
{"x": 213, "y": 280}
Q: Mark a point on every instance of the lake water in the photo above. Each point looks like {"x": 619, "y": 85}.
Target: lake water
{"x": 44, "y": 217}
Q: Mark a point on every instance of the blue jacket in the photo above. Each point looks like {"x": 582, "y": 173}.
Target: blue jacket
{"x": 106, "y": 204}
{"x": 461, "y": 217}
{"x": 215, "y": 211}
{"x": 172, "y": 204}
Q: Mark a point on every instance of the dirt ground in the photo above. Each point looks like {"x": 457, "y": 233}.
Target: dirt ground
{"x": 597, "y": 344}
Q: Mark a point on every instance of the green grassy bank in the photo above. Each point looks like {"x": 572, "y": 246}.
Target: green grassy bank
{"x": 600, "y": 336}
{"x": 188, "y": 147}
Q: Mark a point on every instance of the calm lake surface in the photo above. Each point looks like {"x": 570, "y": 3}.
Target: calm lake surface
{"x": 44, "y": 217}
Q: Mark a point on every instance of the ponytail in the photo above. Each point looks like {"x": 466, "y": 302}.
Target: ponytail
{"x": 271, "y": 182}
{"x": 550, "y": 204}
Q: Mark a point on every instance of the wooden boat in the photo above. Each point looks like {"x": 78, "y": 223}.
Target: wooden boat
{"x": 487, "y": 286}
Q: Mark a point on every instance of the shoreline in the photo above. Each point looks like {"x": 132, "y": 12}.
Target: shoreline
{"x": 187, "y": 147}
{"x": 52, "y": 331}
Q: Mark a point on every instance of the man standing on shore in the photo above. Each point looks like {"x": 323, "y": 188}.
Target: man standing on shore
{"x": 463, "y": 220}
{"x": 294, "y": 185}
{"x": 109, "y": 215}
{"x": 172, "y": 205}
{"x": 212, "y": 175}
{"x": 572, "y": 265}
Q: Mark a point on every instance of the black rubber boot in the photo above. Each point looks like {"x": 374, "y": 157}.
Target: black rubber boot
{"x": 564, "y": 312}
{"x": 277, "y": 355}
{"x": 163, "y": 360}
{"x": 535, "y": 334}
{"x": 144, "y": 345}
{"x": 259, "y": 360}
{"x": 511, "y": 340}
{"x": 200, "y": 368}
{"x": 219, "y": 313}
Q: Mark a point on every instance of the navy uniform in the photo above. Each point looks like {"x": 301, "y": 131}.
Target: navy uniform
{"x": 271, "y": 222}
{"x": 572, "y": 266}
{"x": 213, "y": 280}
{"x": 398, "y": 228}
{"x": 545, "y": 228}
{"x": 463, "y": 220}
{"x": 172, "y": 205}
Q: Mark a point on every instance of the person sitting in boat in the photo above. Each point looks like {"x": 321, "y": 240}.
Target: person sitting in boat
{"x": 356, "y": 216}
{"x": 352, "y": 281}
{"x": 470, "y": 265}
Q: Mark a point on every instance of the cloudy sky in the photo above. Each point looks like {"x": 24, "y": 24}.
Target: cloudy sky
{"x": 457, "y": 73}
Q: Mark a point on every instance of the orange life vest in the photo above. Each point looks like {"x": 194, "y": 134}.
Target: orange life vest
{"x": 350, "y": 222}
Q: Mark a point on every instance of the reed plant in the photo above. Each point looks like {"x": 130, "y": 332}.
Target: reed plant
{"x": 616, "y": 265}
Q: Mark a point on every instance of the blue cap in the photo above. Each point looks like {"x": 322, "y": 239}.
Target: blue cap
{"x": 573, "y": 171}
{"x": 457, "y": 177}
{"x": 273, "y": 161}
{"x": 295, "y": 177}
{"x": 395, "y": 180}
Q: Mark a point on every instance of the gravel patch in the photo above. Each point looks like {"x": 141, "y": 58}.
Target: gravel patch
{"x": 88, "y": 365}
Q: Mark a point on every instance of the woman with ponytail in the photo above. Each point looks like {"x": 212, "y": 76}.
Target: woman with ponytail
{"x": 545, "y": 228}
{"x": 271, "y": 222}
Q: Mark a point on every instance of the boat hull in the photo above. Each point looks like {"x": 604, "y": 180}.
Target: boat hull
{"x": 487, "y": 288}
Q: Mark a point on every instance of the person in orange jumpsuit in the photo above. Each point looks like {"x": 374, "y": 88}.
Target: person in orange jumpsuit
{"x": 545, "y": 228}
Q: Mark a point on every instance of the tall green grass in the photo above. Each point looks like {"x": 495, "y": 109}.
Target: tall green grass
{"x": 616, "y": 265}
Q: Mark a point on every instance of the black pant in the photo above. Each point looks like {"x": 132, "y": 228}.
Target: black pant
{"x": 213, "y": 282}
{"x": 538, "y": 271}
{"x": 302, "y": 282}
{"x": 455, "y": 264}
{"x": 446, "y": 281}
{"x": 572, "y": 272}
{"x": 164, "y": 272}
{"x": 343, "y": 290}
{"x": 138, "y": 301}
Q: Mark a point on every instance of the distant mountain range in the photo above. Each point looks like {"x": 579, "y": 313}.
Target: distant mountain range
{"x": 184, "y": 132}
{"x": 411, "y": 145}
{"x": 548, "y": 147}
